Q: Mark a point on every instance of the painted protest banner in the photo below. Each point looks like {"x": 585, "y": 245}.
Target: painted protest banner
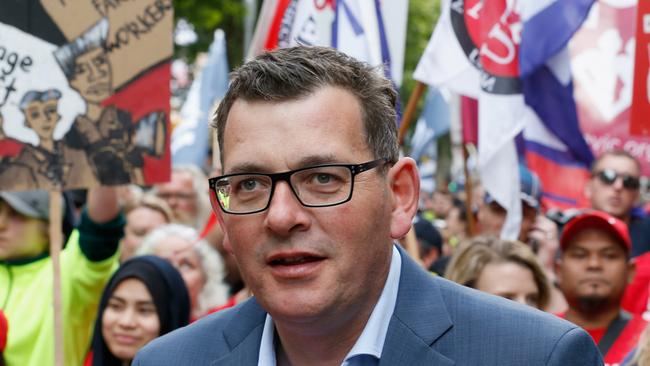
{"x": 602, "y": 53}
{"x": 141, "y": 28}
{"x": 91, "y": 108}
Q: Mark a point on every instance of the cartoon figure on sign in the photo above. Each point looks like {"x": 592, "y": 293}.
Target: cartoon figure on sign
{"x": 51, "y": 163}
{"x": 104, "y": 132}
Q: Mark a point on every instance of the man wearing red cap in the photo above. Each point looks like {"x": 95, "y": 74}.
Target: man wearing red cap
{"x": 592, "y": 272}
{"x": 614, "y": 187}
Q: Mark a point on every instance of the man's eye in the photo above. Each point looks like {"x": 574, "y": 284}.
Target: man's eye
{"x": 323, "y": 178}
{"x": 579, "y": 255}
{"x": 611, "y": 255}
{"x": 249, "y": 184}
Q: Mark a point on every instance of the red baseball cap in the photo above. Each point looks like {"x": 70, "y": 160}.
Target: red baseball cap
{"x": 596, "y": 220}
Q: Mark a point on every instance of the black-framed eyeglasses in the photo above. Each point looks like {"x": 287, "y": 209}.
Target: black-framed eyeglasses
{"x": 609, "y": 177}
{"x": 317, "y": 186}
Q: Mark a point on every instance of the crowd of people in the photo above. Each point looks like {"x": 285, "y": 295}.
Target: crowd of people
{"x": 137, "y": 264}
{"x": 320, "y": 249}
{"x": 586, "y": 265}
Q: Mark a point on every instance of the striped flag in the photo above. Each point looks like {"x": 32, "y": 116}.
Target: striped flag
{"x": 555, "y": 146}
{"x": 360, "y": 28}
{"x": 511, "y": 56}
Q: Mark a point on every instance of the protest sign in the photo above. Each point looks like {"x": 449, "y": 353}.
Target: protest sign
{"x": 93, "y": 108}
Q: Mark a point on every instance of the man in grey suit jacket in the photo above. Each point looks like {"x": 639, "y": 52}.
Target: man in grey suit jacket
{"x": 313, "y": 198}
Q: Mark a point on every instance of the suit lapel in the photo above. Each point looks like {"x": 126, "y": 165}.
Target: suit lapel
{"x": 243, "y": 333}
{"x": 420, "y": 318}
{"x": 403, "y": 347}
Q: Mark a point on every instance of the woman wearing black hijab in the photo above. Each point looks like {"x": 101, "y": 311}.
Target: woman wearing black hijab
{"x": 144, "y": 299}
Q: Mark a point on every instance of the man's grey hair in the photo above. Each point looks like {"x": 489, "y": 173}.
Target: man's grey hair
{"x": 296, "y": 72}
{"x": 93, "y": 38}
{"x": 215, "y": 290}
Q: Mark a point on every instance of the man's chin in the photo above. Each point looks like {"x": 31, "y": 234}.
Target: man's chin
{"x": 593, "y": 303}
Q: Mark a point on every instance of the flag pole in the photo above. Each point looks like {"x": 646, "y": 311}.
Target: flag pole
{"x": 56, "y": 243}
{"x": 415, "y": 97}
{"x": 469, "y": 184}
{"x": 469, "y": 191}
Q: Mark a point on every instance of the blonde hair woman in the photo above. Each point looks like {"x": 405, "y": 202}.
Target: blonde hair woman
{"x": 500, "y": 267}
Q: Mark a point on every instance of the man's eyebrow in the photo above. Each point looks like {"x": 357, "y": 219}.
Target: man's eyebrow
{"x": 312, "y": 160}
{"x": 247, "y": 168}
{"x": 305, "y": 162}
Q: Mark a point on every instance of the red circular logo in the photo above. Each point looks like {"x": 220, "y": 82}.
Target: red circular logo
{"x": 489, "y": 34}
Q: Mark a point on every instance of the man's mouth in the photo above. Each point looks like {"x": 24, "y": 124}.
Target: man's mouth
{"x": 295, "y": 265}
{"x": 295, "y": 260}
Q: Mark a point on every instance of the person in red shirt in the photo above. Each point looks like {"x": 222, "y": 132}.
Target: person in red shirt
{"x": 592, "y": 271}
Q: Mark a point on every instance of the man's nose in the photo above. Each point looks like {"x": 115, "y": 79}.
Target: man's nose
{"x": 618, "y": 183}
{"x": 285, "y": 213}
{"x": 594, "y": 261}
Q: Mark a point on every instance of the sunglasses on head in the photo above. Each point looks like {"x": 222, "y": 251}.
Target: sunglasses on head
{"x": 609, "y": 177}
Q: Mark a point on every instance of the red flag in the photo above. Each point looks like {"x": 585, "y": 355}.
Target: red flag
{"x": 639, "y": 123}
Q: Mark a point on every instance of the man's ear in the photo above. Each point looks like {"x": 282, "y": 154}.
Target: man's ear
{"x": 405, "y": 188}
{"x": 631, "y": 270}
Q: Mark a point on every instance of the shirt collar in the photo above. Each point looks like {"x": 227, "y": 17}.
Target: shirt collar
{"x": 372, "y": 338}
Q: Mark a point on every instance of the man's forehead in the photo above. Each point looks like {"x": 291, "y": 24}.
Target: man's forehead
{"x": 620, "y": 163}
{"x": 592, "y": 238}
{"x": 323, "y": 127}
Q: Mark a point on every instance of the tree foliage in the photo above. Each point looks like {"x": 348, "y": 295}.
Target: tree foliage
{"x": 206, "y": 17}
{"x": 422, "y": 18}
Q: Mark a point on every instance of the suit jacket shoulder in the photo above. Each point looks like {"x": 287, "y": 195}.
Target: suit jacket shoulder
{"x": 228, "y": 337}
{"x": 437, "y": 322}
